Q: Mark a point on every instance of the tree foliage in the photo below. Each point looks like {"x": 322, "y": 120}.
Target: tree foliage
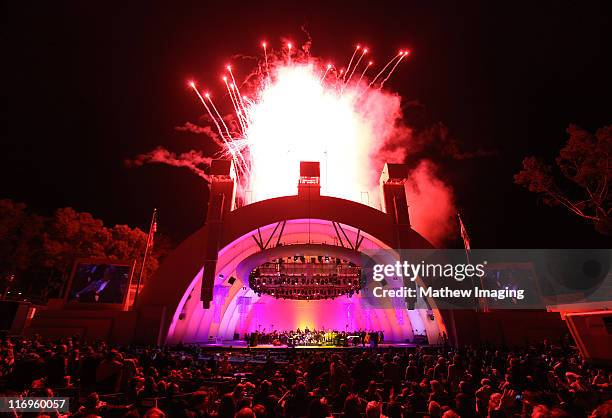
{"x": 580, "y": 182}
{"x": 40, "y": 251}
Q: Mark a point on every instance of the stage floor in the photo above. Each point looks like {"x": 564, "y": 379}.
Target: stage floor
{"x": 242, "y": 346}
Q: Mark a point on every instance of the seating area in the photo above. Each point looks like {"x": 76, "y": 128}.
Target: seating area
{"x": 189, "y": 381}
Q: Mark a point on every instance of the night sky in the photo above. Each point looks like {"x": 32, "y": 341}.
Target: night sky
{"x": 85, "y": 86}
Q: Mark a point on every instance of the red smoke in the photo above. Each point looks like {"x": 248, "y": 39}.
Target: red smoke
{"x": 431, "y": 204}
{"x": 193, "y": 160}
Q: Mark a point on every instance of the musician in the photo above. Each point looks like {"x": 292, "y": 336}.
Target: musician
{"x": 373, "y": 339}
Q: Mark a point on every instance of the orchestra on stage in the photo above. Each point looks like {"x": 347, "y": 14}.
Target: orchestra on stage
{"x": 315, "y": 338}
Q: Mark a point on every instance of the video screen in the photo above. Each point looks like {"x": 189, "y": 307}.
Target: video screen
{"x": 100, "y": 283}
{"x": 513, "y": 281}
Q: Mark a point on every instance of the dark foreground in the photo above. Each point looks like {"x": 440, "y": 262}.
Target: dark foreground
{"x": 544, "y": 380}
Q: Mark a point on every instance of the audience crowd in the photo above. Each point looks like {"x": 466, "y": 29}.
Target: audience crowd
{"x": 547, "y": 380}
{"x": 316, "y": 338}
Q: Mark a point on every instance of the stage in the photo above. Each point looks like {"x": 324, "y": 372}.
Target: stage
{"x": 241, "y": 345}
{"x": 291, "y": 262}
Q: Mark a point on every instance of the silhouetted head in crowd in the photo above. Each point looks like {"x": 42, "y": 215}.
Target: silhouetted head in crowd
{"x": 373, "y": 409}
{"x": 352, "y": 407}
{"x": 227, "y": 407}
{"x": 245, "y": 413}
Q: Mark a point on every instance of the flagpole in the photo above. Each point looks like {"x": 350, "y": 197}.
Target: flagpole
{"x": 152, "y": 228}
{"x": 482, "y": 303}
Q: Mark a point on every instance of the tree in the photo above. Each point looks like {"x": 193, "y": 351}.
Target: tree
{"x": 18, "y": 230}
{"x": 20, "y": 240}
{"x": 129, "y": 244}
{"x": 582, "y": 184}
{"x": 70, "y": 235}
{"x": 40, "y": 251}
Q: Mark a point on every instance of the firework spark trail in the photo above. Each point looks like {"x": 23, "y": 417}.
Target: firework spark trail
{"x": 363, "y": 73}
{"x": 384, "y": 68}
{"x": 247, "y": 114}
{"x": 237, "y": 109}
{"x": 245, "y": 110}
{"x": 264, "y": 45}
{"x": 229, "y": 135}
{"x": 231, "y": 95}
{"x": 197, "y": 92}
{"x": 365, "y": 51}
{"x": 238, "y": 95}
{"x": 289, "y": 46}
{"x": 329, "y": 66}
{"x": 249, "y": 101}
{"x": 393, "y": 69}
{"x": 225, "y": 141}
{"x": 351, "y": 60}
{"x": 240, "y": 166}
{"x": 235, "y": 105}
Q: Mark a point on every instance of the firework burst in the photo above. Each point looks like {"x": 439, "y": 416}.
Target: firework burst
{"x": 296, "y": 108}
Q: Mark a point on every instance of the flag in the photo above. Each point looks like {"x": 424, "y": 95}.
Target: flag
{"x": 464, "y": 234}
{"x": 152, "y": 230}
